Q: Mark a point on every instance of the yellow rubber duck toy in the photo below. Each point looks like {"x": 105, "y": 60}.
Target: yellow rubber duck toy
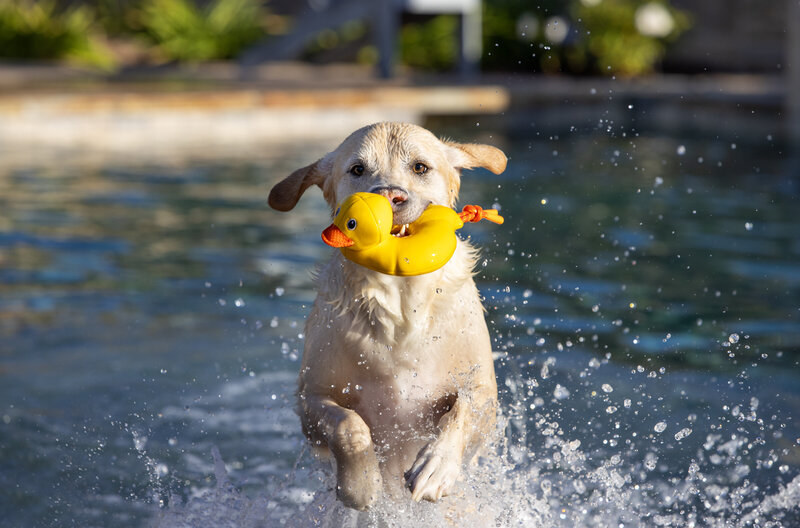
{"x": 362, "y": 228}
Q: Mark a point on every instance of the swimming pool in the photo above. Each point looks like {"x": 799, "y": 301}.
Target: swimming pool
{"x": 643, "y": 296}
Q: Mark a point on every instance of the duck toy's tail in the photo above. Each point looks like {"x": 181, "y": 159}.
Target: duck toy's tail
{"x": 475, "y": 213}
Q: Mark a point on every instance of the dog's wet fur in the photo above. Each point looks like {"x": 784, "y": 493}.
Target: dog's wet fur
{"x": 397, "y": 380}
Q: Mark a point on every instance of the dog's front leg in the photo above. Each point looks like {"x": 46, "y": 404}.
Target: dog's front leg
{"x": 439, "y": 463}
{"x": 358, "y": 478}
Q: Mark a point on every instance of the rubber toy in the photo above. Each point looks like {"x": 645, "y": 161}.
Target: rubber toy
{"x": 362, "y": 228}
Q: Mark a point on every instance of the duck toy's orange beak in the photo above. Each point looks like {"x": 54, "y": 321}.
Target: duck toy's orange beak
{"x": 334, "y": 237}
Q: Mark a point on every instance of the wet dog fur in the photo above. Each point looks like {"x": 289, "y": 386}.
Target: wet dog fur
{"x": 397, "y": 380}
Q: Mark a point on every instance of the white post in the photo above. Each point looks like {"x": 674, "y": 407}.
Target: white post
{"x": 471, "y": 39}
{"x": 793, "y": 69}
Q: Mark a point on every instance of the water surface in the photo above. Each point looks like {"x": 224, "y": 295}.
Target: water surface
{"x": 643, "y": 295}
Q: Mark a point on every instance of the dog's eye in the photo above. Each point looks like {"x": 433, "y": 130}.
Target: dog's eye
{"x": 351, "y": 224}
{"x": 357, "y": 170}
{"x": 420, "y": 168}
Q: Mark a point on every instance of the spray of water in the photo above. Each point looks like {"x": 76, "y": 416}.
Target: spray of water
{"x": 567, "y": 456}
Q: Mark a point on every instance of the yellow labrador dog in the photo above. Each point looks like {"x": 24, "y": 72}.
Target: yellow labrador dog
{"x": 397, "y": 380}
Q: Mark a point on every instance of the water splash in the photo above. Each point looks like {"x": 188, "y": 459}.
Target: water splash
{"x": 546, "y": 471}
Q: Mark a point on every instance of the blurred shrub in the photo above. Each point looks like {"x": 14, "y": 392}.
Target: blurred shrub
{"x": 430, "y": 45}
{"x": 612, "y": 37}
{"x": 37, "y": 30}
{"x": 512, "y": 38}
{"x": 117, "y": 17}
{"x": 627, "y": 37}
{"x": 183, "y": 31}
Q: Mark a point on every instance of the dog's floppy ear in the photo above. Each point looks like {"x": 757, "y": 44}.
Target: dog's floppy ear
{"x": 469, "y": 155}
{"x": 287, "y": 192}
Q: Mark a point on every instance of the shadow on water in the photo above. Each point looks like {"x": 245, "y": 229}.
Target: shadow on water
{"x": 643, "y": 296}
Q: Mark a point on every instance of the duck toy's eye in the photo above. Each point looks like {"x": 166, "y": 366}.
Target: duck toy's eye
{"x": 351, "y": 224}
{"x": 337, "y": 211}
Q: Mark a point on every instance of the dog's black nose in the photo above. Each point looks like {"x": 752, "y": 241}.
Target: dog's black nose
{"x": 396, "y": 195}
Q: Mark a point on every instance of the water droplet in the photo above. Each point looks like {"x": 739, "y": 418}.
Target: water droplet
{"x": 650, "y": 461}
{"x": 611, "y": 409}
{"x": 733, "y": 338}
{"x": 683, "y": 433}
{"x": 660, "y": 427}
{"x": 239, "y": 302}
{"x": 279, "y": 291}
{"x": 607, "y": 388}
{"x": 346, "y": 390}
{"x": 748, "y": 226}
{"x": 546, "y": 486}
{"x": 681, "y": 150}
{"x": 560, "y": 393}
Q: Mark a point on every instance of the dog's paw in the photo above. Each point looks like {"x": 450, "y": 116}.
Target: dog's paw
{"x": 358, "y": 478}
{"x": 351, "y": 435}
{"x": 434, "y": 472}
{"x": 359, "y": 484}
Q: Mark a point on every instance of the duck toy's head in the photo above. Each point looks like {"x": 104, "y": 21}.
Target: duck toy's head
{"x": 362, "y": 221}
{"x": 362, "y": 229}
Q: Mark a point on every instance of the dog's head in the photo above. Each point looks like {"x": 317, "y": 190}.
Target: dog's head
{"x": 404, "y": 162}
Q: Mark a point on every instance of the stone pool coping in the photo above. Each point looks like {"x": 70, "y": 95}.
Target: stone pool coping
{"x": 179, "y": 108}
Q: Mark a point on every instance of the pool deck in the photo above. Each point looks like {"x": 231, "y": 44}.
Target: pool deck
{"x": 286, "y": 102}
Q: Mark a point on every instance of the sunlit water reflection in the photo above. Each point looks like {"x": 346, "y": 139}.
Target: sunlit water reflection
{"x": 643, "y": 295}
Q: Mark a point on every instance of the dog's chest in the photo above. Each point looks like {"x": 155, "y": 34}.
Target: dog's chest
{"x": 400, "y": 393}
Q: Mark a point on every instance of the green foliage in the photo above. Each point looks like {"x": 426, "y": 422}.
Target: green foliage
{"x": 504, "y": 45}
{"x": 37, "y": 30}
{"x": 430, "y": 45}
{"x": 617, "y": 43}
{"x": 117, "y": 17}
{"x": 612, "y": 37}
{"x": 183, "y": 31}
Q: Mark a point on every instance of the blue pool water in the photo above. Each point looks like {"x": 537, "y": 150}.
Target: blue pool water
{"x": 643, "y": 295}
